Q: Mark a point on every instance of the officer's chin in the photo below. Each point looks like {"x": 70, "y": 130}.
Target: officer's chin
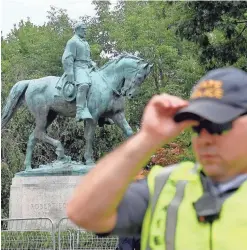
{"x": 213, "y": 169}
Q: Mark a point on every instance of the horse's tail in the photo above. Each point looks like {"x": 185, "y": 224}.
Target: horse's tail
{"x": 14, "y": 101}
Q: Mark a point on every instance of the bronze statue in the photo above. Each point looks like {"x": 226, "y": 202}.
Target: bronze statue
{"x": 77, "y": 65}
{"x": 118, "y": 78}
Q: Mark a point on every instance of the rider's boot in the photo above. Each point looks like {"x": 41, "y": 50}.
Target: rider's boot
{"x": 82, "y": 111}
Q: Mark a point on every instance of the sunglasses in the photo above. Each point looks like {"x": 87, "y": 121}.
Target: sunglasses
{"x": 213, "y": 128}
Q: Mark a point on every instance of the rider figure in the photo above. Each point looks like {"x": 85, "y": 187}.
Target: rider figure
{"x": 77, "y": 63}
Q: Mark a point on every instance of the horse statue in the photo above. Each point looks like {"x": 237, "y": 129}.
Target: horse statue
{"x": 118, "y": 78}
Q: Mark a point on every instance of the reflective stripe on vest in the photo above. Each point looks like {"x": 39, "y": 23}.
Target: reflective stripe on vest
{"x": 160, "y": 181}
{"x": 172, "y": 210}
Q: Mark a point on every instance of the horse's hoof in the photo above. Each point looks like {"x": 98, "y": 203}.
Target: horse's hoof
{"x": 28, "y": 168}
{"x": 65, "y": 158}
{"x": 90, "y": 162}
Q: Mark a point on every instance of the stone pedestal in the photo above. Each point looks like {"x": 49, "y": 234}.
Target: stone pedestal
{"x": 41, "y": 197}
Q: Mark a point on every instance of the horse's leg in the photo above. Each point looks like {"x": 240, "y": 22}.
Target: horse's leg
{"x": 89, "y": 130}
{"x": 30, "y": 146}
{"x": 32, "y": 141}
{"x": 40, "y": 133}
{"x": 120, "y": 120}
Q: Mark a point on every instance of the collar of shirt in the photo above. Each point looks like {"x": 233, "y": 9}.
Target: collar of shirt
{"x": 219, "y": 188}
{"x": 231, "y": 184}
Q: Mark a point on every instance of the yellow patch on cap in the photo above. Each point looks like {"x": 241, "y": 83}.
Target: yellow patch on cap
{"x": 209, "y": 89}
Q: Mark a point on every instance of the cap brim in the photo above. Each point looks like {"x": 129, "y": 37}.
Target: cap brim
{"x": 213, "y": 111}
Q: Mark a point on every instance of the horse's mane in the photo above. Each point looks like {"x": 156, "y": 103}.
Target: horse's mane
{"x": 119, "y": 57}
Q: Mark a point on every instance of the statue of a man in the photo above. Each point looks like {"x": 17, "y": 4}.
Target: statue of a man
{"x": 77, "y": 65}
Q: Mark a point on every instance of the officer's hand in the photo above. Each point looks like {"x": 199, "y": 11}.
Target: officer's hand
{"x": 70, "y": 78}
{"x": 157, "y": 121}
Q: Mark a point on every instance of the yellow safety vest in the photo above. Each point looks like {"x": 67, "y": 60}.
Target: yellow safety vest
{"x": 171, "y": 223}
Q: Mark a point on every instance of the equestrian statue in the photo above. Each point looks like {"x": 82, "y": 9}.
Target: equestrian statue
{"x": 84, "y": 91}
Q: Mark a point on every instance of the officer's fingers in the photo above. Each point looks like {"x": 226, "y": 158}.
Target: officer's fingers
{"x": 187, "y": 124}
{"x": 168, "y": 102}
{"x": 175, "y": 101}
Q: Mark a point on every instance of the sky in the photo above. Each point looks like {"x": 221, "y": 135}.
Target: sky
{"x": 12, "y": 11}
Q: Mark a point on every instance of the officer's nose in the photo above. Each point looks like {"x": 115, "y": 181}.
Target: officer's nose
{"x": 205, "y": 137}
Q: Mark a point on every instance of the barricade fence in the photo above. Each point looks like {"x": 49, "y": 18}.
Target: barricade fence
{"x": 42, "y": 233}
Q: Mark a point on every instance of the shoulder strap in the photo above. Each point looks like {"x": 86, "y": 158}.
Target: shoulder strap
{"x": 160, "y": 181}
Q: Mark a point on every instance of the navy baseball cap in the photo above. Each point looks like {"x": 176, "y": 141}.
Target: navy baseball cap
{"x": 220, "y": 97}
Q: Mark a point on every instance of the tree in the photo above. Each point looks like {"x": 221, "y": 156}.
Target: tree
{"x": 6, "y": 176}
{"x": 101, "y": 24}
{"x": 220, "y": 29}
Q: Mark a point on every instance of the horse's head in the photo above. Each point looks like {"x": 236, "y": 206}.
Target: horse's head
{"x": 134, "y": 72}
{"x": 126, "y": 73}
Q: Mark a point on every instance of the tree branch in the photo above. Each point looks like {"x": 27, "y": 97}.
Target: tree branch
{"x": 244, "y": 21}
{"x": 242, "y": 31}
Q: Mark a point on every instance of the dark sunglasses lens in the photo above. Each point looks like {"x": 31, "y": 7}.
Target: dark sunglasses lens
{"x": 226, "y": 127}
{"x": 212, "y": 128}
{"x": 196, "y": 129}
{"x": 208, "y": 126}
{"x": 221, "y": 128}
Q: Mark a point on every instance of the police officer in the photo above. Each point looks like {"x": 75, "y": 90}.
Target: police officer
{"x": 189, "y": 205}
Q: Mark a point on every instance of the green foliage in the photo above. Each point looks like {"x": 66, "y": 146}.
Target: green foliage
{"x": 184, "y": 140}
{"x": 6, "y": 176}
{"x": 220, "y": 28}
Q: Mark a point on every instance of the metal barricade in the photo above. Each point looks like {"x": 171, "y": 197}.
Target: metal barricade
{"x": 27, "y": 234}
{"x": 42, "y": 234}
{"x": 81, "y": 239}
